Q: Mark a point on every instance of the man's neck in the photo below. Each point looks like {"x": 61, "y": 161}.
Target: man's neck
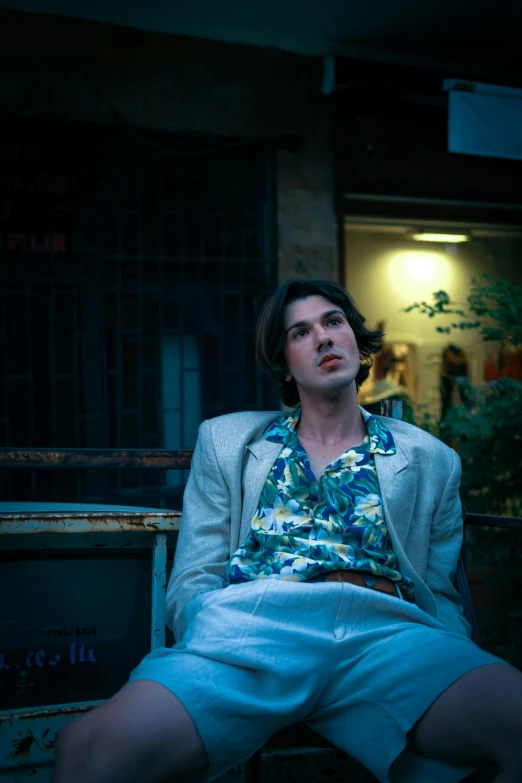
{"x": 329, "y": 421}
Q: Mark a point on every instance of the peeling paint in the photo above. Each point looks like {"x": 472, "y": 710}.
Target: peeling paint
{"x": 21, "y": 747}
{"x": 51, "y": 745}
{"x": 31, "y": 737}
{"x": 88, "y": 521}
{"x": 54, "y": 712}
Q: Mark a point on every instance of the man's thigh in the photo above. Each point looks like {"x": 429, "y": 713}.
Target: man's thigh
{"x": 477, "y": 718}
{"x": 393, "y": 662}
{"x": 142, "y": 733}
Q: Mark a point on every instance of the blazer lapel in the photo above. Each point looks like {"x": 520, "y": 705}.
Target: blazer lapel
{"x": 398, "y": 485}
{"x": 261, "y": 455}
{"x": 398, "y": 482}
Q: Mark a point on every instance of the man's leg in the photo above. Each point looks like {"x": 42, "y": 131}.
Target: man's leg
{"x": 477, "y": 719}
{"x": 143, "y": 734}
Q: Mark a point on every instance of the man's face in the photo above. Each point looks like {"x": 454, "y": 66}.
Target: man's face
{"x": 320, "y": 346}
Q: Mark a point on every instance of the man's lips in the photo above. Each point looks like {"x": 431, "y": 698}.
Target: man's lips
{"x": 329, "y": 359}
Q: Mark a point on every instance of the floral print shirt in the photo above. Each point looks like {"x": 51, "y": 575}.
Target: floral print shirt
{"x": 301, "y": 530}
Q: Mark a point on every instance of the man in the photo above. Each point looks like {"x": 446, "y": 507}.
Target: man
{"x": 312, "y": 581}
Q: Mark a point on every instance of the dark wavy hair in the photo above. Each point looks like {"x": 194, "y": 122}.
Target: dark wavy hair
{"x": 271, "y": 336}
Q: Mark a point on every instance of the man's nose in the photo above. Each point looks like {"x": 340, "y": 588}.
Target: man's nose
{"x": 323, "y": 337}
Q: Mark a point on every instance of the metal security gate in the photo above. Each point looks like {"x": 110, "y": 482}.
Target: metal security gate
{"x": 133, "y": 267}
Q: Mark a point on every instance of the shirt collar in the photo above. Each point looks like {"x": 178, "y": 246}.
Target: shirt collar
{"x": 283, "y": 429}
{"x": 379, "y": 437}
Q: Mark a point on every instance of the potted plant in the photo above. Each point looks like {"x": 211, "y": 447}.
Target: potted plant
{"x": 486, "y": 430}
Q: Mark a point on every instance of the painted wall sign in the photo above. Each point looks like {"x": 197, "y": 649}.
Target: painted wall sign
{"x": 13, "y": 241}
{"x": 56, "y": 184}
{"x": 86, "y": 630}
{"x": 14, "y": 151}
{"x": 40, "y": 658}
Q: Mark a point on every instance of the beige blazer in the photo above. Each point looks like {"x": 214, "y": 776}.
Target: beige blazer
{"x": 419, "y": 487}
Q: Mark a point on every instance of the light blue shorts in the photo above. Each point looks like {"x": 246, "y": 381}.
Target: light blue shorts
{"x": 359, "y": 666}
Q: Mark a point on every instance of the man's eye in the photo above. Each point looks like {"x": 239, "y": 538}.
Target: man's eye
{"x": 299, "y": 333}
{"x": 336, "y": 320}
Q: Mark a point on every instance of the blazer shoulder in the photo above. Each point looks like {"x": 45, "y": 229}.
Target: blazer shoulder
{"x": 243, "y": 427}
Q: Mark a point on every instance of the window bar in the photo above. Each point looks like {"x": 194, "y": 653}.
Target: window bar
{"x": 118, "y": 338}
{"x": 181, "y": 328}
{"x": 200, "y": 335}
{"x": 241, "y": 315}
{"x": 76, "y": 393}
{"x": 9, "y": 442}
{"x": 55, "y": 413}
{"x": 221, "y": 300}
{"x": 4, "y": 477}
{"x": 76, "y": 369}
{"x": 139, "y": 336}
{"x": 102, "y": 287}
{"x": 30, "y": 380}
{"x": 3, "y": 339}
{"x": 161, "y": 325}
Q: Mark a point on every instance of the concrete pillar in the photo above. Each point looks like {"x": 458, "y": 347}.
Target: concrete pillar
{"x": 305, "y": 211}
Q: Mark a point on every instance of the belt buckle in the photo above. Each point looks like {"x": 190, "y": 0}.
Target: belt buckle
{"x": 369, "y": 580}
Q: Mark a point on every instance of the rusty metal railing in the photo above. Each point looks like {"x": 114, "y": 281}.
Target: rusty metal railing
{"x": 492, "y": 520}
{"x": 157, "y": 459}
{"x": 163, "y": 459}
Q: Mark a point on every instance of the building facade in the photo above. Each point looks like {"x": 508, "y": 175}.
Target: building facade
{"x": 154, "y": 190}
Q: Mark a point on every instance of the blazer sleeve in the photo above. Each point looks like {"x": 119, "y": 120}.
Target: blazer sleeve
{"x": 444, "y": 549}
{"x": 203, "y": 547}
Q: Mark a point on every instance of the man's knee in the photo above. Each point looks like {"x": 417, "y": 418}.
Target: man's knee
{"x": 78, "y": 744}
{"x": 95, "y": 748}
{"x": 126, "y": 742}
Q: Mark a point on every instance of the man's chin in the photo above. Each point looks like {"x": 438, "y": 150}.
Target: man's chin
{"x": 332, "y": 385}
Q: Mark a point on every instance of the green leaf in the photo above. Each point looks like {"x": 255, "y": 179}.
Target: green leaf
{"x": 269, "y": 494}
{"x": 294, "y": 473}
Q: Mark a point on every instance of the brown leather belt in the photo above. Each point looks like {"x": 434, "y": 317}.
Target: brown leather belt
{"x": 380, "y": 583}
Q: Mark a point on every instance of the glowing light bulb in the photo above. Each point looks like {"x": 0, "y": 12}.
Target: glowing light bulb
{"x": 448, "y": 239}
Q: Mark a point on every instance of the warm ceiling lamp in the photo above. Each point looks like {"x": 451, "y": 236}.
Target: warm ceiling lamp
{"x": 447, "y": 238}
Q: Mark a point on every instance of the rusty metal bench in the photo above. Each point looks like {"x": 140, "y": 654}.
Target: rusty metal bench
{"x": 53, "y": 719}
{"x": 64, "y": 651}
